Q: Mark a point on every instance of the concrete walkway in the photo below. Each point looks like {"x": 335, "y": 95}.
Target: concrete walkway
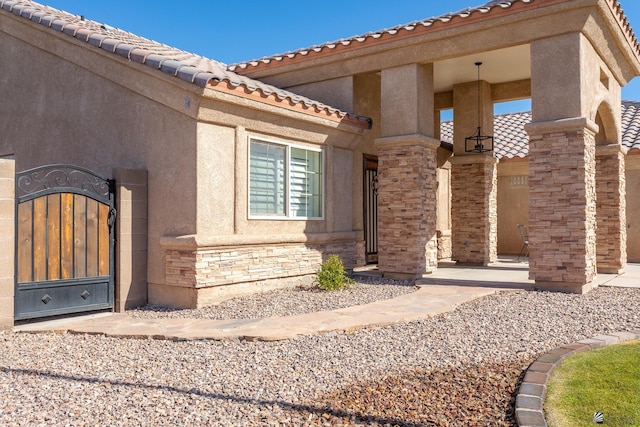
{"x": 449, "y": 287}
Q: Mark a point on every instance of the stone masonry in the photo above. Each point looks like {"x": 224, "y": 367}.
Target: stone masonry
{"x": 611, "y": 236}
{"x": 474, "y": 213}
{"x": 7, "y": 241}
{"x": 207, "y": 267}
{"x": 407, "y": 187}
{"x": 562, "y": 210}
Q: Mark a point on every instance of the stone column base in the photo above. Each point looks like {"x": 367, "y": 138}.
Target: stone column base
{"x": 567, "y": 287}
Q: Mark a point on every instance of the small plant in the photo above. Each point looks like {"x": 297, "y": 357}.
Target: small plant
{"x": 332, "y": 275}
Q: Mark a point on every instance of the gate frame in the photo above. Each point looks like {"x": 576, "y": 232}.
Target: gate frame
{"x": 92, "y": 185}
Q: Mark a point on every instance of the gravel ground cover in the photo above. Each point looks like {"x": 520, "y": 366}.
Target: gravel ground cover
{"x": 456, "y": 369}
{"x": 288, "y": 302}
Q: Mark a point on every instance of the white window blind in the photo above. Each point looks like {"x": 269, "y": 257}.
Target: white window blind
{"x": 281, "y": 177}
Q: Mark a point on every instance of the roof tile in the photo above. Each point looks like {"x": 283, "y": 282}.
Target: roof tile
{"x": 187, "y": 66}
{"x": 512, "y": 141}
{"x": 124, "y": 49}
{"x": 110, "y": 44}
{"x": 392, "y": 31}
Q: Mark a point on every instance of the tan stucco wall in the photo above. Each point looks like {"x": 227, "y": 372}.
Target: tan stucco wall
{"x": 335, "y": 92}
{"x": 580, "y": 81}
{"x": 79, "y": 105}
{"x": 513, "y": 204}
{"x": 632, "y": 162}
{"x": 99, "y": 111}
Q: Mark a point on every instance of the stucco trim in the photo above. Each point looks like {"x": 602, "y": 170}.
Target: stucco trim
{"x": 470, "y": 159}
{"x": 609, "y": 149}
{"x": 561, "y": 125}
{"x": 412, "y": 139}
{"x": 192, "y": 241}
{"x": 299, "y": 105}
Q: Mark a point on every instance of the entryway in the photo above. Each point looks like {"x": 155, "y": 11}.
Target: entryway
{"x": 65, "y": 218}
{"x": 370, "y": 198}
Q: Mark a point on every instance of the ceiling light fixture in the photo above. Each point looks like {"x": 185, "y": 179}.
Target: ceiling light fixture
{"x": 478, "y": 143}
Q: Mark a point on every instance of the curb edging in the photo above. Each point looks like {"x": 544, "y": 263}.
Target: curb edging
{"x": 530, "y": 397}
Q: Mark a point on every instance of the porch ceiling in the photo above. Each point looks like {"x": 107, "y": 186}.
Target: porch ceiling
{"x": 498, "y": 66}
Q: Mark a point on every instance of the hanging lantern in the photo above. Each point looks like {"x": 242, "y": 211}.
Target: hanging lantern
{"x": 478, "y": 143}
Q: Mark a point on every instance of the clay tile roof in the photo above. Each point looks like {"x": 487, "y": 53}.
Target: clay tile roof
{"x": 354, "y": 41}
{"x": 512, "y": 141}
{"x": 187, "y": 66}
{"x": 631, "y": 125}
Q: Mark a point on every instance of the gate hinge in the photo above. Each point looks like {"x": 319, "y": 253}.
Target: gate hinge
{"x": 111, "y": 220}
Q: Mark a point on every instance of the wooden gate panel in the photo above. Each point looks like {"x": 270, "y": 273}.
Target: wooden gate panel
{"x": 25, "y": 234}
{"x": 79, "y": 236}
{"x": 64, "y": 246}
{"x": 53, "y": 233}
{"x": 39, "y": 239}
{"x": 92, "y": 238}
{"x": 66, "y": 236}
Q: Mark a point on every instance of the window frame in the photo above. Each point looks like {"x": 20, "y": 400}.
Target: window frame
{"x": 288, "y": 216}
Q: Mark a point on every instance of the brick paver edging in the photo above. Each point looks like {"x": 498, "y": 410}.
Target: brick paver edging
{"x": 530, "y": 398}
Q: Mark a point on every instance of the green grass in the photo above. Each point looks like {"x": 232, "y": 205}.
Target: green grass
{"x": 605, "y": 380}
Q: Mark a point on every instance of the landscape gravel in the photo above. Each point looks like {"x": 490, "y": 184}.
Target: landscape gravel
{"x": 459, "y": 368}
{"x": 287, "y": 301}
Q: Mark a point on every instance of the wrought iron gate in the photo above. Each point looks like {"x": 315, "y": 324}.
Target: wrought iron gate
{"x": 371, "y": 209}
{"x": 65, "y": 242}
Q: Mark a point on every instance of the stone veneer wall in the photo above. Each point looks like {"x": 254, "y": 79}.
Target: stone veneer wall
{"x": 210, "y": 267}
{"x": 7, "y": 242}
{"x": 407, "y": 186}
{"x": 444, "y": 244}
{"x": 611, "y": 235}
{"x": 474, "y": 209}
{"x": 562, "y": 210}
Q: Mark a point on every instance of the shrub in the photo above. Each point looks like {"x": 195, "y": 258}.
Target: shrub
{"x": 332, "y": 275}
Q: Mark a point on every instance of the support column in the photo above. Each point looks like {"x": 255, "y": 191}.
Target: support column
{"x": 566, "y": 72}
{"x": 611, "y": 235}
{"x": 562, "y": 204}
{"x": 7, "y": 241}
{"x": 474, "y": 180}
{"x": 474, "y": 215}
{"x": 407, "y": 188}
{"x": 407, "y": 178}
{"x": 131, "y": 238}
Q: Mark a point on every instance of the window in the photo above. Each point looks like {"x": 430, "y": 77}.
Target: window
{"x": 284, "y": 181}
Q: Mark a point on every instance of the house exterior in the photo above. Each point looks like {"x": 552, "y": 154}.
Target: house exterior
{"x": 512, "y": 149}
{"x": 134, "y": 172}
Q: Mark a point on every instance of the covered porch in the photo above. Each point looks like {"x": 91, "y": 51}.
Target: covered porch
{"x": 570, "y": 57}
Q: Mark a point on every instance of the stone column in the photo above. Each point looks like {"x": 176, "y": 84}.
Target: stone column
{"x": 566, "y": 74}
{"x": 407, "y": 186}
{"x": 131, "y": 238}
{"x": 562, "y": 204}
{"x": 474, "y": 206}
{"x": 611, "y": 234}
{"x": 7, "y": 241}
{"x": 407, "y": 179}
{"x": 474, "y": 213}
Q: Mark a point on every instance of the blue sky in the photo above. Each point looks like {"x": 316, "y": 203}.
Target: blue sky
{"x": 239, "y": 30}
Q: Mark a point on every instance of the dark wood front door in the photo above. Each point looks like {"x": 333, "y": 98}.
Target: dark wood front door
{"x": 64, "y": 243}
